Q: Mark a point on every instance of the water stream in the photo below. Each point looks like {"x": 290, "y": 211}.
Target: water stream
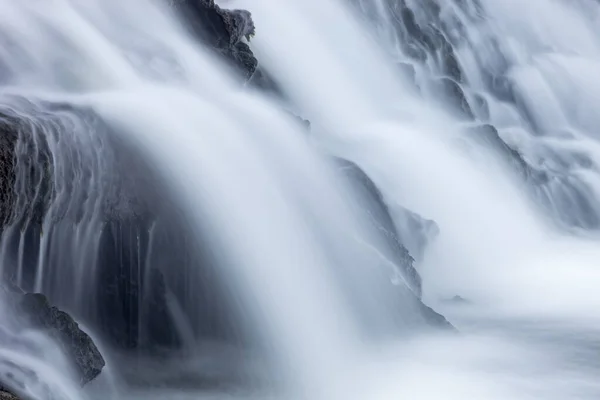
{"x": 475, "y": 114}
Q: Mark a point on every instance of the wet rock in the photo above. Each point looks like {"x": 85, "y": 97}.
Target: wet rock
{"x": 378, "y": 213}
{"x": 488, "y": 135}
{"x": 456, "y": 96}
{"x": 304, "y": 123}
{"x": 423, "y": 36}
{"x": 141, "y": 265}
{"x": 480, "y": 107}
{"x": 79, "y": 348}
{"x": 8, "y": 139}
{"x": 263, "y": 81}
{"x": 6, "y": 395}
{"x": 27, "y": 311}
{"x": 414, "y": 231}
{"x": 13, "y": 392}
{"x": 459, "y": 300}
{"x": 221, "y": 29}
{"x": 132, "y": 310}
{"x": 434, "y": 318}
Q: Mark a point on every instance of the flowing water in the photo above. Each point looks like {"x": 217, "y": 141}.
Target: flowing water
{"x": 478, "y": 115}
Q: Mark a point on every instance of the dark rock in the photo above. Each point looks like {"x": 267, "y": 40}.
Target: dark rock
{"x": 414, "y": 231}
{"x": 378, "y": 213}
{"x": 60, "y": 326}
{"x": 458, "y": 300}
{"x": 6, "y": 395}
{"x": 304, "y": 123}
{"x": 373, "y": 205}
{"x": 264, "y": 82}
{"x": 434, "y": 318}
{"x": 488, "y": 135}
{"x": 22, "y": 311}
{"x": 14, "y": 386}
{"x": 8, "y": 139}
{"x": 221, "y": 30}
{"x": 136, "y": 266}
{"x": 480, "y": 107}
{"x": 456, "y": 95}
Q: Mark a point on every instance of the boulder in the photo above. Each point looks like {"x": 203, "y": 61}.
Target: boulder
{"x": 75, "y": 343}
{"x": 30, "y": 311}
{"x": 222, "y": 30}
{"x": 39, "y": 314}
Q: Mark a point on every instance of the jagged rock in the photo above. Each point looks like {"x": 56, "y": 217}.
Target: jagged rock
{"x": 8, "y": 139}
{"x": 222, "y": 30}
{"x": 304, "y": 123}
{"x": 456, "y": 96}
{"x": 379, "y": 215}
{"x": 6, "y": 395}
{"x": 488, "y": 134}
{"x": 27, "y": 311}
{"x": 60, "y": 326}
{"x": 414, "y": 231}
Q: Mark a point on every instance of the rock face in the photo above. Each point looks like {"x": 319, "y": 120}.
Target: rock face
{"x": 222, "y": 30}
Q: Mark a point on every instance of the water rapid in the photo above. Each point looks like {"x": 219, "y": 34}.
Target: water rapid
{"x": 450, "y": 165}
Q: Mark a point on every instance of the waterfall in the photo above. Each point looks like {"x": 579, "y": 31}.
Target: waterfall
{"x": 177, "y": 211}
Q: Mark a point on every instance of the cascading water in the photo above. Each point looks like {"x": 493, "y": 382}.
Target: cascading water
{"x": 138, "y": 154}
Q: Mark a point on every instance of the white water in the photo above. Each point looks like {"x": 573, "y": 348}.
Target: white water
{"x": 243, "y": 171}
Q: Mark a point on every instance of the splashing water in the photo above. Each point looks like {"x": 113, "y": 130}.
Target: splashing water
{"x": 518, "y": 243}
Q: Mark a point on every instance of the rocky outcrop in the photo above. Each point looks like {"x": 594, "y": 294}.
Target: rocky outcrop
{"x": 33, "y": 311}
{"x": 374, "y": 207}
{"x": 377, "y": 212}
{"x": 37, "y": 313}
{"x": 60, "y": 326}
{"x": 222, "y": 30}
